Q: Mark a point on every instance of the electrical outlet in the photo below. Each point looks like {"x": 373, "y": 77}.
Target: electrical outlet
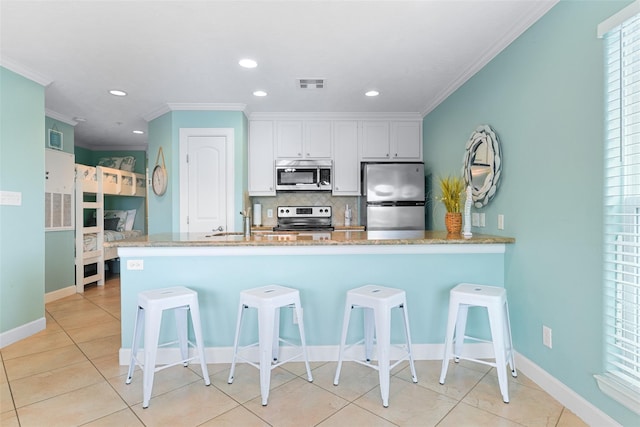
{"x": 475, "y": 219}
{"x": 546, "y": 336}
{"x": 135, "y": 264}
{"x": 500, "y": 222}
{"x": 483, "y": 222}
{"x": 269, "y": 213}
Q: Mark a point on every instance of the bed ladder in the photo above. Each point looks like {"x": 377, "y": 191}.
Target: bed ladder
{"x": 94, "y": 257}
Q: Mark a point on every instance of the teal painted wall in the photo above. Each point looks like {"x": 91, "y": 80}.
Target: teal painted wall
{"x": 544, "y": 96}
{"x": 84, "y": 156}
{"x": 164, "y": 211}
{"x": 59, "y": 263}
{"x": 160, "y": 208}
{"x": 22, "y": 248}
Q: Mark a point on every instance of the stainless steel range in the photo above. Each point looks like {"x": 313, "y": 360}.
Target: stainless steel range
{"x": 304, "y": 218}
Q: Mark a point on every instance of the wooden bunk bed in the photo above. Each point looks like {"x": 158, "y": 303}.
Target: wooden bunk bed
{"x": 93, "y": 184}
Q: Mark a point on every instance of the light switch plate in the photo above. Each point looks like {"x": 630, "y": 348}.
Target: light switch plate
{"x": 10, "y": 198}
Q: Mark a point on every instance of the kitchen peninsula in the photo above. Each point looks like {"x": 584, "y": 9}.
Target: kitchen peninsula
{"x": 323, "y": 266}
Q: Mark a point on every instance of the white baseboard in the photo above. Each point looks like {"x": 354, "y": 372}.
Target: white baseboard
{"x": 21, "y": 332}
{"x": 563, "y": 394}
{"x": 60, "y": 293}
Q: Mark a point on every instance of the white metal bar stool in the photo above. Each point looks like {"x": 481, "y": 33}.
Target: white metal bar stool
{"x": 268, "y": 300}
{"x": 494, "y": 299}
{"x": 377, "y": 302}
{"x": 151, "y": 304}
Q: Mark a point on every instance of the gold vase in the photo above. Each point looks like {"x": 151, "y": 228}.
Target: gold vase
{"x": 453, "y": 222}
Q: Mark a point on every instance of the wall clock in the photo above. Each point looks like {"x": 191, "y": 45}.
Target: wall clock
{"x": 159, "y": 176}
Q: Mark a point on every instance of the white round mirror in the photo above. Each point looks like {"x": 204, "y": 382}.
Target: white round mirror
{"x": 482, "y": 165}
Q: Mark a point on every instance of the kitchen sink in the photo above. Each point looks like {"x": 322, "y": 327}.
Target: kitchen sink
{"x": 226, "y": 233}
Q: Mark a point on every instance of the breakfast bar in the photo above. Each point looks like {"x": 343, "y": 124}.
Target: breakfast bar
{"x": 322, "y": 266}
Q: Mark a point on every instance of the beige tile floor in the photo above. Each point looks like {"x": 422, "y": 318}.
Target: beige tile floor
{"x": 68, "y": 375}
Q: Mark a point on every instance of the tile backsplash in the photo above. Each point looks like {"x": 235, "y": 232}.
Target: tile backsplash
{"x": 338, "y": 205}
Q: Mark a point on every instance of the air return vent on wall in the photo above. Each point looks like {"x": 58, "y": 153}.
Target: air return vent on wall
{"x": 311, "y": 83}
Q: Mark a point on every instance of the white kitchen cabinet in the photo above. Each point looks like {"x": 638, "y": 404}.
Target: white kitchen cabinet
{"x": 261, "y": 158}
{"x": 375, "y": 140}
{"x": 406, "y": 141}
{"x": 308, "y": 139}
{"x": 317, "y": 139}
{"x": 346, "y": 164}
{"x": 289, "y": 139}
{"x": 391, "y": 140}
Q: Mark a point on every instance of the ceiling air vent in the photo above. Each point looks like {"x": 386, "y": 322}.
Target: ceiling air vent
{"x": 311, "y": 83}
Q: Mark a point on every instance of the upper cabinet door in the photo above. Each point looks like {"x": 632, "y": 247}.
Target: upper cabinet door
{"x": 406, "y": 140}
{"x": 317, "y": 139}
{"x": 261, "y": 155}
{"x": 289, "y": 139}
{"x": 346, "y": 167}
{"x": 375, "y": 140}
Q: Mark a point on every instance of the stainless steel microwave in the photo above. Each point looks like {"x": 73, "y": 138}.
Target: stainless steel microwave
{"x": 304, "y": 175}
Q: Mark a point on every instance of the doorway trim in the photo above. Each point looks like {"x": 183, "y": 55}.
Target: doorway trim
{"x": 228, "y": 134}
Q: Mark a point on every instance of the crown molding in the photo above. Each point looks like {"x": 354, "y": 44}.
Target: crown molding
{"x": 25, "y": 72}
{"x": 60, "y": 117}
{"x": 539, "y": 10}
{"x": 336, "y": 116}
{"x": 172, "y": 106}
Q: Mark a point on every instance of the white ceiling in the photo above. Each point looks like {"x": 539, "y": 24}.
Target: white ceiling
{"x": 184, "y": 55}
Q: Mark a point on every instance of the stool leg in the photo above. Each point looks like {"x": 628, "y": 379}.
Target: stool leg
{"x": 407, "y": 336}
{"x": 512, "y": 358}
{"x": 180, "y": 314}
{"x": 498, "y": 338}
{"x": 461, "y": 327}
{"x": 235, "y": 342}
{"x": 275, "y": 348}
{"x": 345, "y": 328}
{"x": 369, "y": 332}
{"x": 266, "y": 323}
{"x": 138, "y": 326}
{"x": 303, "y": 341}
{"x": 151, "y": 336}
{"x": 383, "y": 333}
{"x": 448, "y": 339}
{"x": 197, "y": 332}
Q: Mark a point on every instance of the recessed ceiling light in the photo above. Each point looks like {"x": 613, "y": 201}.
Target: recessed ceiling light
{"x": 248, "y": 63}
{"x": 260, "y": 93}
{"x": 116, "y": 92}
{"x": 372, "y": 93}
{"x": 138, "y": 132}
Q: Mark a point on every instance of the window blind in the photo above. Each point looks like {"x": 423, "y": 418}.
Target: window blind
{"x": 622, "y": 215}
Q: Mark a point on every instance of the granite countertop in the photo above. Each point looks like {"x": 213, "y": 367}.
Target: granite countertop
{"x": 338, "y": 237}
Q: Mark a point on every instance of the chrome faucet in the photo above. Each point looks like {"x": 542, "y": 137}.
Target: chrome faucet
{"x": 246, "y": 224}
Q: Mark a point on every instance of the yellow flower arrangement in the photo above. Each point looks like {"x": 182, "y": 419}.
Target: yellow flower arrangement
{"x": 452, "y": 188}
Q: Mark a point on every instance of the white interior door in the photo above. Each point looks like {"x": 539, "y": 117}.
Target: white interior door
{"x": 205, "y": 182}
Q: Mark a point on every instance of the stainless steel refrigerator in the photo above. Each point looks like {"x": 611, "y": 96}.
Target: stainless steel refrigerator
{"x": 393, "y": 196}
